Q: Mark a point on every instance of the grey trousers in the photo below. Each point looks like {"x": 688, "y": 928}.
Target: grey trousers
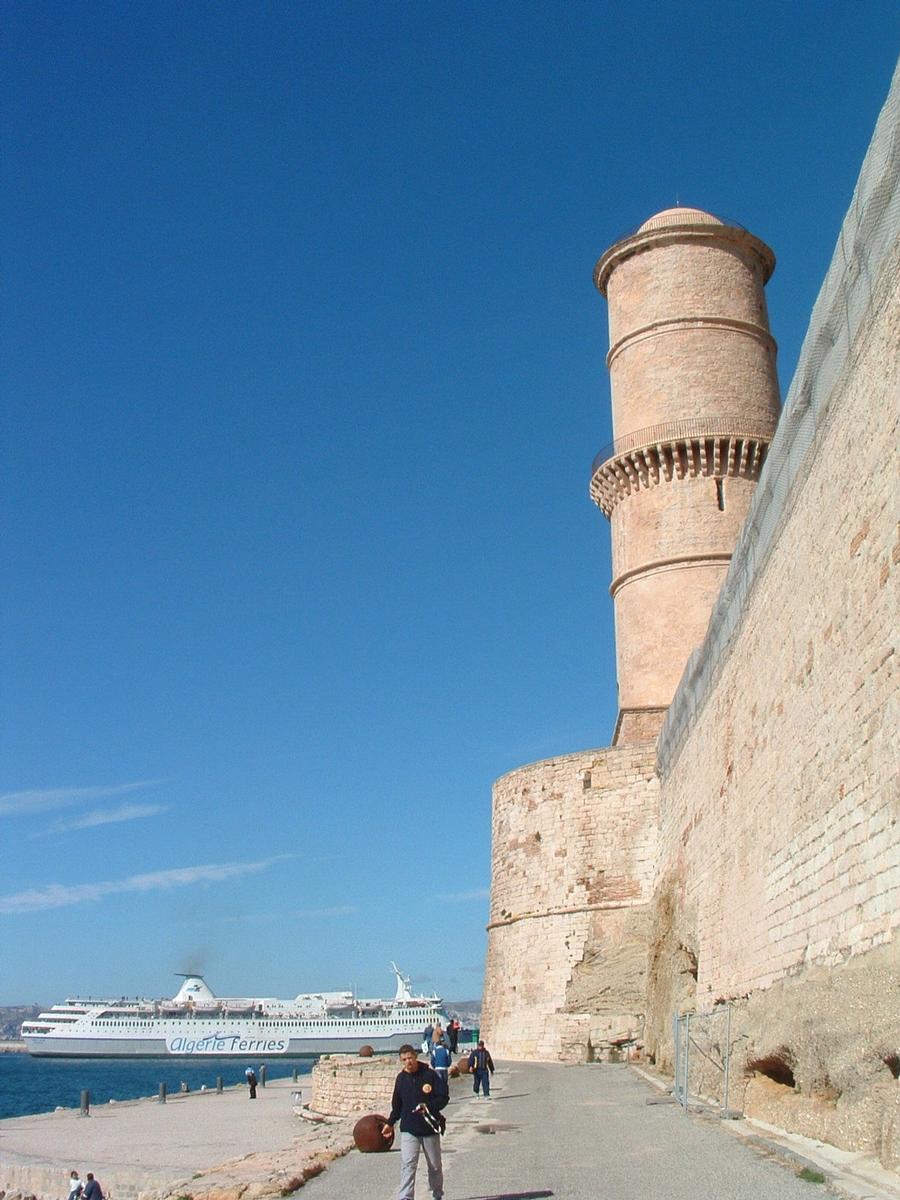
{"x": 409, "y": 1160}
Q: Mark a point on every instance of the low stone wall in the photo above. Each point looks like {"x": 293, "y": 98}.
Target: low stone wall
{"x": 343, "y": 1084}
{"x": 21, "y": 1181}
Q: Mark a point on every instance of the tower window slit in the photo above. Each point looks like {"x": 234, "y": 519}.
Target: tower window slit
{"x": 720, "y": 495}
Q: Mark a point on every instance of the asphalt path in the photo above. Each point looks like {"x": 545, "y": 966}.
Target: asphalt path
{"x": 573, "y": 1133}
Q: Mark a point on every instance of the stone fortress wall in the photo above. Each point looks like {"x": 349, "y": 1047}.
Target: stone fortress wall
{"x": 574, "y": 846}
{"x": 778, "y": 878}
{"x": 758, "y": 840}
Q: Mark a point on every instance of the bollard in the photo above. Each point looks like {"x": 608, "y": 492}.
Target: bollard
{"x": 262, "y": 1076}
{"x": 219, "y": 1084}
{"x": 294, "y": 1076}
{"x": 85, "y": 1103}
{"x": 184, "y": 1086}
{"x": 162, "y": 1093}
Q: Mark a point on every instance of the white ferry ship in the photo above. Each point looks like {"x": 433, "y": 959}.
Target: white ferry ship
{"x": 196, "y": 1023}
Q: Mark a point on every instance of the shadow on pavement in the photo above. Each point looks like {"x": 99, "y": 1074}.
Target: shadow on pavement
{"x": 512, "y": 1196}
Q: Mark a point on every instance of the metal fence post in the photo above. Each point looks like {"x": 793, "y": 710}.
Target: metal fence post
{"x": 687, "y": 1056}
{"x": 727, "y": 1058}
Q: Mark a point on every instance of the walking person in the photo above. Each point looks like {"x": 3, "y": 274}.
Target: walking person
{"x": 441, "y": 1059}
{"x": 419, "y": 1095}
{"x": 482, "y": 1066}
{"x": 453, "y": 1029}
{"x": 250, "y": 1076}
{"x": 426, "y": 1038}
{"x": 92, "y": 1189}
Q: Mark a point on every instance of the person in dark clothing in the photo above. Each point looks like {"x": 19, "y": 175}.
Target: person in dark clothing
{"x": 453, "y": 1033}
{"x": 419, "y": 1095}
{"x": 250, "y": 1076}
{"x": 92, "y": 1189}
{"x": 482, "y": 1066}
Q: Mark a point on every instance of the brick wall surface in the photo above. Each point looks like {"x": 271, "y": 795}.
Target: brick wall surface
{"x": 573, "y": 845}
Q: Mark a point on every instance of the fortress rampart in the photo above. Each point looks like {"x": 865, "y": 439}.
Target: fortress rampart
{"x": 574, "y": 848}
{"x": 769, "y": 805}
{"x": 779, "y": 863}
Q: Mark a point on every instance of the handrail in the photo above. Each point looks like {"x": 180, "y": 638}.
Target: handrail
{"x": 673, "y": 431}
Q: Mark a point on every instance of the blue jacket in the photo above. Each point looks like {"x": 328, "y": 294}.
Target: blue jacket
{"x": 440, "y": 1057}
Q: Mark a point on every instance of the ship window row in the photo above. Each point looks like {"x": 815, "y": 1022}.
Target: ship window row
{"x": 368, "y": 1021}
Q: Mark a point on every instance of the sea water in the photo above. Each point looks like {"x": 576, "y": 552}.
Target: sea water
{"x": 34, "y": 1085}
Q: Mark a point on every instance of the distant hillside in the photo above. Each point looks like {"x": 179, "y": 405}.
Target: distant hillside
{"x": 468, "y": 1012}
{"x": 11, "y": 1018}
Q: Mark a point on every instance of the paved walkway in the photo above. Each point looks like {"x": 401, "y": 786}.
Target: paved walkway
{"x": 186, "y": 1134}
{"x": 548, "y": 1130}
{"x": 574, "y": 1133}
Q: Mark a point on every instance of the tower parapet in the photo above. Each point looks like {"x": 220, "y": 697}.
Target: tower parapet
{"x": 695, "y": 404}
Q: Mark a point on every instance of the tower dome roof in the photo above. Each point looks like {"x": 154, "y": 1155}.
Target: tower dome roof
{"x": 680, "y": 216}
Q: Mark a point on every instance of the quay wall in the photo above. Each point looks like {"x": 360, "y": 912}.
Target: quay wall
{"x": 345, "y": 1083}
{"x": 49, "y": 1182}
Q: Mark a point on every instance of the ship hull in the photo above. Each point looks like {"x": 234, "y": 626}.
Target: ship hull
{"x": 307, "y": 1047}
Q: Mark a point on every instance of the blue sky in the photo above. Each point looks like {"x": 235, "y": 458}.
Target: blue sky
{"x": 304, "y": 373}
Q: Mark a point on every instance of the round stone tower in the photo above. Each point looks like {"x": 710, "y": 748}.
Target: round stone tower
{"x": 695, "y": 403}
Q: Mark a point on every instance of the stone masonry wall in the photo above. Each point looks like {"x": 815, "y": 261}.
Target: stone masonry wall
{"x": 46, "y": 1182}
{"x": 574, "y": 840}
{"x": 779, "y": 849}
{"x": 344, "y": 1083}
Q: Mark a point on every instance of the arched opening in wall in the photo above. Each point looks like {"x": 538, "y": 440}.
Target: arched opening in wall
{"x": 779, "y": 1067}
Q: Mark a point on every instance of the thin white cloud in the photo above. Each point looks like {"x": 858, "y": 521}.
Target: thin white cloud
{"x": 459, "y": 897}
{"x": 46, "y": 799}
{"x": 61, "y": 895}
{"x": 105, "y": 816}
{"x": 340, "y": 910}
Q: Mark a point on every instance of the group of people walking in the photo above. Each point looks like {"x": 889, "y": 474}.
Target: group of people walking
{"x": 88, "y": 1189}
{"x": 421, "y": 1092}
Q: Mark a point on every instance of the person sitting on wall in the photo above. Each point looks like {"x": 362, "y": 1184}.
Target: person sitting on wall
{"x": 92, "y": 1189}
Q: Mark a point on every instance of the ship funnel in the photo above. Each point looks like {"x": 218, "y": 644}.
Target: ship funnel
{"x": 194, "y": 989}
